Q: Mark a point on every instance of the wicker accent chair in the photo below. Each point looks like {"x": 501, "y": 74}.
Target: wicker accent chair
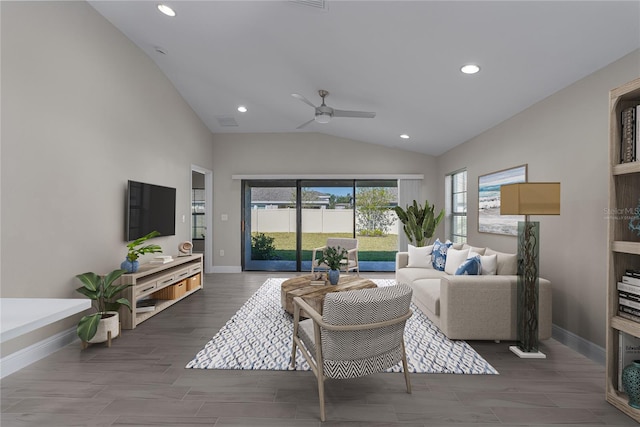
{"x": 359, "y": 333}
{"x": 349, "y": 263}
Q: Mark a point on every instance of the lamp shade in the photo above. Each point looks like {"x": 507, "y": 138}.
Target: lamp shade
{"x": 530, "y": 198}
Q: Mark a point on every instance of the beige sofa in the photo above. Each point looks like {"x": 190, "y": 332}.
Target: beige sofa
{"x": 479, "y": 307}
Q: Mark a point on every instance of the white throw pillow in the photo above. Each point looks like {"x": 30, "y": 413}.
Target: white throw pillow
{"x": 420, "y": 257}
{"x": 507, "y": 263}
{"x": 455, "y": 258}
{"x": 479, "y": 251}
{"x": 489, "y": 264}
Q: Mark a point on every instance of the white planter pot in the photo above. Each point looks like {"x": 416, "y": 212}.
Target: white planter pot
{"x": 109, "y": 324}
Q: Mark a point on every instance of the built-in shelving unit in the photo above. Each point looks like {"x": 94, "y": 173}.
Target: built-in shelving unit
{"x": 151, "y": 278}
{"x": 624, "y": 244}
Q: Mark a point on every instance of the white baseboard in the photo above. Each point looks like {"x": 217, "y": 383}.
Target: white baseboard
{"x": 28, "y": 355}
{"x": 579, "y": 344}
{"x": 226, "y": 269}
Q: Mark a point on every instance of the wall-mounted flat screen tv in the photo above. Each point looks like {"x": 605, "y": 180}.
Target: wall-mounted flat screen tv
{"x": 150, "y": 207}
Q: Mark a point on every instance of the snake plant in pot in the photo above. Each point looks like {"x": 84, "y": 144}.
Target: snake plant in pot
{"x": 419, "y": 223}
{"x": 103, "y": 325}
{"x": 331, "y": 257}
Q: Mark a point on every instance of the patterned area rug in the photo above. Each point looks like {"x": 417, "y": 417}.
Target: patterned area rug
{"x": 258, "y": 337}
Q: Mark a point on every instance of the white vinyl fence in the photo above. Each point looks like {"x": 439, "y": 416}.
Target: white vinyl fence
{"x": 313, "y": 221}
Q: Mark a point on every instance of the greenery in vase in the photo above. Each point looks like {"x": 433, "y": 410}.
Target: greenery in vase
{"x": 104, "y": 294}
{"x": 135, "y": 252}
{"x": 419, "y": 223}
{"x": 331, "y": 256}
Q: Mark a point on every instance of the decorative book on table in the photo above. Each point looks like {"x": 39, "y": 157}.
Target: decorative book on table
{"x": 628, "y": 351}
{"x": 162, "y": 259}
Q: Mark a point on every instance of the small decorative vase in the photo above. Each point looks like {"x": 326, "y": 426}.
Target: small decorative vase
{"x": 631, "y": 383}
{"x": 129, "y": 266}
{"x": 334, "y": 276}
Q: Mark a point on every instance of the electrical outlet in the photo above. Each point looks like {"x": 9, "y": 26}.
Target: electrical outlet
{"x": 221, "y": 252}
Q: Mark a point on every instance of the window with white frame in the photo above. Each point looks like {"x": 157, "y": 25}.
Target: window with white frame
{"x": 458, "y": 205}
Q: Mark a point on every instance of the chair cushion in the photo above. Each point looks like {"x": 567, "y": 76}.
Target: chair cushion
{"x": 341, "y": 369}
{"x": 359, "y": 308}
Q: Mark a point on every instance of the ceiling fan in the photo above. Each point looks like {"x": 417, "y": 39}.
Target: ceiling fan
{"x": 324, "y": 113}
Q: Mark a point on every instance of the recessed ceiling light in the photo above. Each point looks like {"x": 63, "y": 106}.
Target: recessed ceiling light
{"x": 166, "y": 10}
{"x": 242, "y": 109}
{"x": 470, "y": 69}
{"x": 404, "y": 136}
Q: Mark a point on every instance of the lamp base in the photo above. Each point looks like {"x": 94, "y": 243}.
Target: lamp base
{"x": 527, "y": 354}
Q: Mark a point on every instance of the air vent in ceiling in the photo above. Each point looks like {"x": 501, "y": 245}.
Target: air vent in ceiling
{"x": 318, "y": 4}
{"x": 226, "y": 121}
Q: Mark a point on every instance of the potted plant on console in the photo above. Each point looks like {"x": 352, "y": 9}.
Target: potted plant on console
{"x": 105, "y": 324}
{"x": 130, "y": 264}
{"x": 331, "y": 257}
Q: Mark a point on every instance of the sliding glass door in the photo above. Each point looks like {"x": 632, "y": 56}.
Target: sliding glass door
{"x": 270, "y": 226}
{"x": 284, "y": 220}
{"x": 326, "y": 210}
{"x": 376, "y": 224}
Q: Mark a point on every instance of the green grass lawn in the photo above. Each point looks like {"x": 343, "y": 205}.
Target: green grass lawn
{"x": 369, "y": 248}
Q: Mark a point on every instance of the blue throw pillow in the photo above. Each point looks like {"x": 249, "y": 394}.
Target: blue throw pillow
{"x": 439, "y": 254}
{"x": 471, "y": 267}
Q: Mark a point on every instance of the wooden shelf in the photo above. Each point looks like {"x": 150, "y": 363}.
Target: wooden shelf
{"x": 626, "y": 247}
{"x": 151, "y": 278}
{"x": 624, "y": 193}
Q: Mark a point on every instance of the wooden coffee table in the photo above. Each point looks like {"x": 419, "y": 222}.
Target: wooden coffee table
{"x": 314, "y": 294}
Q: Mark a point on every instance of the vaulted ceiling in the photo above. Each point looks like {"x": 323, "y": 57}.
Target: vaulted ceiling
{"x": 399, "y": 59}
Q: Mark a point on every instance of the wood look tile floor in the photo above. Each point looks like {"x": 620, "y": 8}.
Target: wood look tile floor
{"x": 141, "y": 381}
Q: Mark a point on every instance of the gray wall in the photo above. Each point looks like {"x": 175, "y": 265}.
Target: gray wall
{"x": 291, "y": 154}
{"x": 83, "y": 111}
{"x": 562, "y": 138}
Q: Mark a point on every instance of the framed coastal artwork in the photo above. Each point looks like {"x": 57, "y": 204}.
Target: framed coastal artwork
{"x": 489, "y": 218}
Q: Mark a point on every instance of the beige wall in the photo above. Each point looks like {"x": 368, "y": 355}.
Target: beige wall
{"x": 83, "y": 111}
{"x": 563, "y": 138}
{"x": 295, "y": 154}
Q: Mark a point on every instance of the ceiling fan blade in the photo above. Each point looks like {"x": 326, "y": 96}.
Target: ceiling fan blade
{"x": 359, "y": 114}
{"x": 304, "y": 124}
{"x": 303, "y": 99}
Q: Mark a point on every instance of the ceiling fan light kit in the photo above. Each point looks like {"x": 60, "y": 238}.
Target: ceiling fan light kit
{"x": 324, "y": 113}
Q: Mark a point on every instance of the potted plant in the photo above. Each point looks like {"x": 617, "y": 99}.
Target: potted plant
{"x": 419, "y": 223}
{"x": 130, "y": 264}
{"x": 105, "y": 324}
{"x": 331, "y": 257}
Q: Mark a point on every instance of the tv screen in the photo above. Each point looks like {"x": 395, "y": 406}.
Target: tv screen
{"x": 150, "y": 207}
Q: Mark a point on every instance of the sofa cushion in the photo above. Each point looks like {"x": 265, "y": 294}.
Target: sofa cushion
{"x": 420, "y": 257}
{"x": 439, "y": 254}
{"x": 455, "y": 258}
{"x": 479, "y": 251}
{"x": 470, "y": 267}
{"x": 409, "y": 275}
{"x": 507, "y": 263}
{"x": 489, "y": 264}
{"x": 427, "y": 292}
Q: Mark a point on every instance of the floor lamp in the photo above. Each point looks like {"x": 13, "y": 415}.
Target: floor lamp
{"x": 529, "y": 198}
